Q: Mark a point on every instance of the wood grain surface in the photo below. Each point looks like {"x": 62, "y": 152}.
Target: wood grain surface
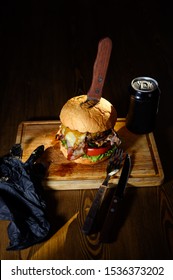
{"x": 64, "y": 175}
{"x": 47, "y": 53}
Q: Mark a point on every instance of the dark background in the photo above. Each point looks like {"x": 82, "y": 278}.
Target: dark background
{"x": 46, "y": 45}
{"x": 47, "y": 52}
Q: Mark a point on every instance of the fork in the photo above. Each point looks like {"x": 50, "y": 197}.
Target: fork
{"x": 112, "y": 168}
{"x": 113, "y": 165}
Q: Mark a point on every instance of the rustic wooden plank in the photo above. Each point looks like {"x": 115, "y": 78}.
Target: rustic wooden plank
{"x": 138, "y": 232}
{"x": 62, "y": 174}
{"x": 38, "y": 58}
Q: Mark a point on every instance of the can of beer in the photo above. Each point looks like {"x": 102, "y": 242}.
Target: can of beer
{"x": 143, "y": 106}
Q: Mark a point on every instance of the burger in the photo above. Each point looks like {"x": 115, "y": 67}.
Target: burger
{"x": 86, "y": 133}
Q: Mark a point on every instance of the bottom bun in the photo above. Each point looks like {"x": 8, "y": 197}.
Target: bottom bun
{"x": 81, "y": 160}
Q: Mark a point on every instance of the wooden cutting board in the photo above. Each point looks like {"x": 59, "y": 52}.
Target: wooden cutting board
{"x": 64, "y": 175}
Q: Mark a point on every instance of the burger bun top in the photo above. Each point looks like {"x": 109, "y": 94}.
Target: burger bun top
{"x": 100, "y": 117}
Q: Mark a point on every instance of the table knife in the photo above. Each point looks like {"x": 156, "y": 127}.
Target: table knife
{"x": 110, "y": 219}
{"x": 100, "y": 69}
{"x": 89, "y": 221}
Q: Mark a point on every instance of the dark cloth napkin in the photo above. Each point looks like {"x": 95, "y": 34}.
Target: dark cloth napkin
{"x": 21, "y": 198}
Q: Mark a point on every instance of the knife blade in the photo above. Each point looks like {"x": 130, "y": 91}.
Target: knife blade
{"x": 90, "y": 218}
{"x": 110, "y": 219}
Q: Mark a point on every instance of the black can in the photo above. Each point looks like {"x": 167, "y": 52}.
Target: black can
{"x": 143, "y": 107}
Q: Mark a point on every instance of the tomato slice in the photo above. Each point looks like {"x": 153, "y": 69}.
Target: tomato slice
{"x": 97, "y": 151}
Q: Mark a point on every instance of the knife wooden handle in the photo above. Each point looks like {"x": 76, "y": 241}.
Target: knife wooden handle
{"x": 100, "y": 69}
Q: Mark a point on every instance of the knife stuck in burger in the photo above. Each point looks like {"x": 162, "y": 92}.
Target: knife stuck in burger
{"x": 87, "y": 134}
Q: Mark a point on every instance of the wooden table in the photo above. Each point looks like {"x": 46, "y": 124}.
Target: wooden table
{"x": 47, "y": 55}
{"x": 140, "y": 234}
{"x": 137, "y": 233}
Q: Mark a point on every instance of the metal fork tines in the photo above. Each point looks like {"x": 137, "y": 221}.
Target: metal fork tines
{"x": 113, "y": 165}
{"x": 112, "y": 168}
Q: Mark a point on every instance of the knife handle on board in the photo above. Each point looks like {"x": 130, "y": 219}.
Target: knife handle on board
{"x": 100, "y": 69}
{"x": 90, "y": 218}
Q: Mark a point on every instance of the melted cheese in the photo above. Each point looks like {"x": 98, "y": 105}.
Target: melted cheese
{"x": 73, "y": 137}
{"x": 70, "y": 138}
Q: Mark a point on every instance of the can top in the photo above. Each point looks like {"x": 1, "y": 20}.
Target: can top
{"x": 144, "y": 84}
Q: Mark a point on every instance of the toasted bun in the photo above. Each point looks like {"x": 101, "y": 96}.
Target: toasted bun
{"x": 80, "y": 160}
{"x": 98, "y": 118}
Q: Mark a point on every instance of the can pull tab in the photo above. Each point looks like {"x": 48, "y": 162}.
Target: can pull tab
{"x": 99, "y": 71}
